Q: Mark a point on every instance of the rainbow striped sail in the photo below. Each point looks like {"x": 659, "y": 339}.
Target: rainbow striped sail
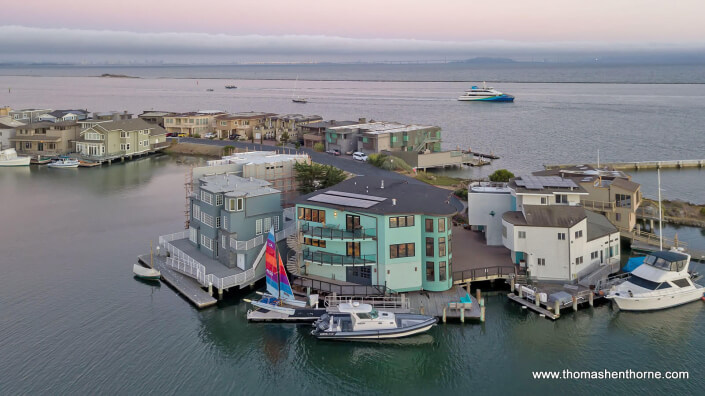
{"x": 272, "y": 269}
{"x": 285, "y": 291}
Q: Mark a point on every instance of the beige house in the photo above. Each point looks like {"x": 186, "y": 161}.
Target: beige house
{"x": 241, "y": 125}
{"x": 191, "y": 124}
{"x": 121, "y": 138}
{"x": 610, "y": 192}
{"x": 46, "y": 138}
{"x": 275, "y": 125}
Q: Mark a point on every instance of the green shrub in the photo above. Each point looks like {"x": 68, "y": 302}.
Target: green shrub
{"x": 501, "y": 175}
{"x": 702, "y": 211}
{"x": 197, "y": 135}
{"x": 462, "y": 193}
{"x": 320, "y": 147}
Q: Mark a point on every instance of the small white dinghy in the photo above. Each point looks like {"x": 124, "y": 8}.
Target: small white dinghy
{"x": 145, "y": 273}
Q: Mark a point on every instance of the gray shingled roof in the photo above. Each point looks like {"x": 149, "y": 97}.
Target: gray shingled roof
{"x": 625, "y": 184}
{"x": 412, "y": 197}
{"x": 561, "y": 216}
{"x": 598, "y": 226}
{"x": 132, "y": 124}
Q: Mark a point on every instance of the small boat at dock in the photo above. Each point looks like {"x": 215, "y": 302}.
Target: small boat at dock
{"x": 87, "y": 164}
{"x": 64, "y": 162}
{"x": 357, "y": 321}
{"x": 40, "y": 160}
{"x": 9, "y": 157}
{"x": 145, "y": 273}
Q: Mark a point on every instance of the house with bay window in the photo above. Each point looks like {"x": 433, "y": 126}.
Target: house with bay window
{"x": 394, "y": 234}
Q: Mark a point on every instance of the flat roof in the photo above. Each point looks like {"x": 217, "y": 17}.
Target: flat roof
{"x": 244, "y": 115}
{"x": 257, "y": 157}
{"x": 236, "y": 186}
{"x": 532, "y": 184}
{"x": 382, "y": 127}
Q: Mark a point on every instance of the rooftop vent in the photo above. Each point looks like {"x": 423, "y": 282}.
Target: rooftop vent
{"x": 382, "y": 186}
{"x": 394, "y": 201}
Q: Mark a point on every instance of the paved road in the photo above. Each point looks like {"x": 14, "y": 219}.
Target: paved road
{"x": 343, "y": 162}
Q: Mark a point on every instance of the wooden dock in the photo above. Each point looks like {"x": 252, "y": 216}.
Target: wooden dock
{"x": 640, "y": 165}
{"x": 532, "y": 306}
{"x": 186, "y": 286}
{"x": 433, "y": 303}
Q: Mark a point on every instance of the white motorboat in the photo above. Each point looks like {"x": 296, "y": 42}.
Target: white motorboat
{"x": 662, "y": 281}
{"x": 64, "y": 162}
{"x": 357, "y": 321}
{"x": 9, "y": 157}
{"x": 145, "y": 273}
{"x": 485, "y": 94}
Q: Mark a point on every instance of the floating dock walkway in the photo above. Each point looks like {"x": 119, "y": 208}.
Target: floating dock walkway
{"x": 188, "y": 287}
{"x": 639, "y": 165}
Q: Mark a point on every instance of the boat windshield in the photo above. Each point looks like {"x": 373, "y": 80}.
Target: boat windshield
{"x": 368, "y": 315}
{"x": 645, "y": 283}
{"x": 663, "y": 264}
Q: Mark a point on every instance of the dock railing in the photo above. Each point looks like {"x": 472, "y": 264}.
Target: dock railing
{"x": 347, "y": 290}
{"x": 486, "y": 273}
{"x": 385, "y": 302}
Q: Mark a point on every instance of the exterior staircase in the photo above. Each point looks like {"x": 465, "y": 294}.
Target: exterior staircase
{"x": 293, "y": 264}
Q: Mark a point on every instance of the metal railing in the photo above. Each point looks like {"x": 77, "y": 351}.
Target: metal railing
{"x": 601, "y": 272}
{"x": 501, "y": 271}
{"x": 597, "y": 205}
{"x": 347, "y": 290}
{"x": 383, "y": 302}
{"x": 651, "y": 239}
{"x": 337, "y": 259}
{"x": 259, "y": 239}
{"x": 336, "y": 233}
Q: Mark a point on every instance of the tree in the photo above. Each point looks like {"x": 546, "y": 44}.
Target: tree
{"x": 284, "y": 138}
{"x": 320, "y": 147}
{"x": 376, "y": 159}
{"x": 227, "y": 150}
{"x": 501, "y": 175}
{"x": 316, "y": 176}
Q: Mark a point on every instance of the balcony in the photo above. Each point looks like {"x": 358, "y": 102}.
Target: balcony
{"x": 337, "y": 259}
{"x": 329, "y": 232}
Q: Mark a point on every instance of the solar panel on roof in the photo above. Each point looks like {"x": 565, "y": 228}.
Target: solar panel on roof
{"x": 343, "y": 201}
{"x": 352, "y": 195}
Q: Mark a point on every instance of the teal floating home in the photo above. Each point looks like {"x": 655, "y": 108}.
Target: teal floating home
{"x": 369, "y": 231}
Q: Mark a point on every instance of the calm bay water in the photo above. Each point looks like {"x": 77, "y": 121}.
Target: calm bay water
{"x": 562, "y": 114}
{"x": 73, "y": 320}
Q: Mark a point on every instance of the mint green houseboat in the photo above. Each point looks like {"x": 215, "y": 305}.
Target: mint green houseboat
{"x": 369, "y": 231}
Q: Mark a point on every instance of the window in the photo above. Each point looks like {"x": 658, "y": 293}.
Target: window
{"x": 124, "y": 134}
{"x": 561, "y": 198}
{"x": 623, "y": 200}
{"x": 561, "y": 236}
{"x": 402, "y": 250}
{"x": 207, "y": 219}
{"x": 522, "y": 235}
{"x": 401, "y": 221}
{"x": 594, "y": 255}
{"x": 240, "y": 204}
{"x": 430, "y": 276}
{"x": 429, "y": 225}
{"x": 352, "y": 222}
{"x": 196, "y": 212}
{"x": 125, "y": 146}
{"x": 258, "y": 227}
{"x": 541, "y": 261}
{"x": 223, "y": 123}
{"x": 276, "y": 223}
{"x": 544, "y": 201}
{"x": 267, "y": 223}
{"x": 442, "y": 271}
{"x": 429, "y": 247}
{"x": 309, "y": 214}
{"x": 207, "y": 197}
{"x": 579, "y": 260}
{"x": 441, "y": 247}
{"x": 193, "y": 235}
{"x": 219, "y": 199}
{"x": 681, "y": 282}
{"x": 224, "y": 241}
{"x": 578, "y": 234}
{"x": 217, "y": 222}
{"x": 441, "y": 225}
{"x": 352, "y": 249}
{"x": 315, "y": 242}
{"x": 618, "y": 216}
{"x": 206, "y": 242}
{"x": 225, "y": 222}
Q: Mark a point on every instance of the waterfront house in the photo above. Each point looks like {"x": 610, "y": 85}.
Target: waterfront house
{"x": 548, "y": 232}
{"x": 241, "y": 125}
{"x": 418, "y": 145}
{"x": 197, "y": 123}
{"x": 315, "y": 132}
{"x": 275, "y": 125}
{"x": 5, "y": 111}
{"x": 112, "y": 115}
{"x": 64, "y": 115}
{"x": 46, "y": 138}
{"x": 393, "y": 234}
{"x": 8, "y": 128}
{"x": 278, "y": 169}
{"x": 28, "y": 116}
{"x": 609, "y": 192}
{"x": 119, "y": 139}
{"x": 155, "y": 117}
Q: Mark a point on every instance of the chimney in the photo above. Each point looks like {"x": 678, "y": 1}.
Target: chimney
{"x": 362, "y": 120}
{"x": 394, "y": 201}
{"x": 382, "y": 186}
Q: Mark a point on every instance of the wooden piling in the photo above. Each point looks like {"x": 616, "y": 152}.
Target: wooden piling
{"x": 521, "y": 295}
{"x": 575, "y": 303}
{"x": 467, "y": 288}
{"x": 220, "y": 293}
{"x": 482, "y": 310}
{"x": 444, "y": 314}
{"x": 478, "y": 294}
{"x": 557, "y": 308}
{"x": 210, "y": 289}
{"x": 511, "y": 285}
{"x": 462, "y": 315}
{"x": 591, "y": 299}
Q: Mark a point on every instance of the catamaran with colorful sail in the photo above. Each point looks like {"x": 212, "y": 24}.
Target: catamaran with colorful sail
{"x": 279, "y": 303}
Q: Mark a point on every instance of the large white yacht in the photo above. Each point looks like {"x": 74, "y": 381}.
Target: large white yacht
{"x": 485, "y": 94}
{"x": 663, "y": 281}
{"x": 9, "y": 157}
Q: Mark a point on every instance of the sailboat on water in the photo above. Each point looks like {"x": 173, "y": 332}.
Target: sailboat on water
{"x": 297, "y": 99}
{"x": 278, "y": 302}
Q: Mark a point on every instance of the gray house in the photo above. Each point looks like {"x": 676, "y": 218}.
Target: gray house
{"x": 231, "y": 216}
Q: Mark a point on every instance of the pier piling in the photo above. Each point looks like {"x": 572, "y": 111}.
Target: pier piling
{"x": 591, "y": 299}
{"x": 521, "y": 295}
{"x": 220, "y": 293}
{"x": 478, "y": 294}
{"x": 482, "y": 310}
{"x": 557, "y": 308}
{"x": 575, "y": 303}
{"x": 511, "y": 285}
{"x": 210, "y": 289}
{"x": 462, "y": 315}
{"x": 444, "y": 314}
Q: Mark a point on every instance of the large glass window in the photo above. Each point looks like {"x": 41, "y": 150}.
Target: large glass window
{"x": 429, "y": 225}
{"x": 353, "y": 249}
{"x": 442, "y": 225}
{"x": 430, "y": 276}
{"x": 441, "y": 247}
{"x": 442, "y": 271}
{"x": 401, "y": 221}
{"x": 402, "y": 250}
{"x": 429, "y": 247}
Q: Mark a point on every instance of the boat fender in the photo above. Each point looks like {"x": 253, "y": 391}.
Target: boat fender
{"x": 702, "y": 298}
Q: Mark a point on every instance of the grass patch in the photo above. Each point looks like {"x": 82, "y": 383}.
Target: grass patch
{"x": 440, "y": 180}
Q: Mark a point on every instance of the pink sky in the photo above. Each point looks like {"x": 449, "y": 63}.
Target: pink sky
{"x": 661, "y": 21}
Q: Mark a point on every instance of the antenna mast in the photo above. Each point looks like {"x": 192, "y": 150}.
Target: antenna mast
{"x": 660, "y": 216}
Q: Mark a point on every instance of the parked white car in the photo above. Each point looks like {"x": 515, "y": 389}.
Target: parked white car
{"x": 209, "y": 135}
{"x": 359, "y": 156}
